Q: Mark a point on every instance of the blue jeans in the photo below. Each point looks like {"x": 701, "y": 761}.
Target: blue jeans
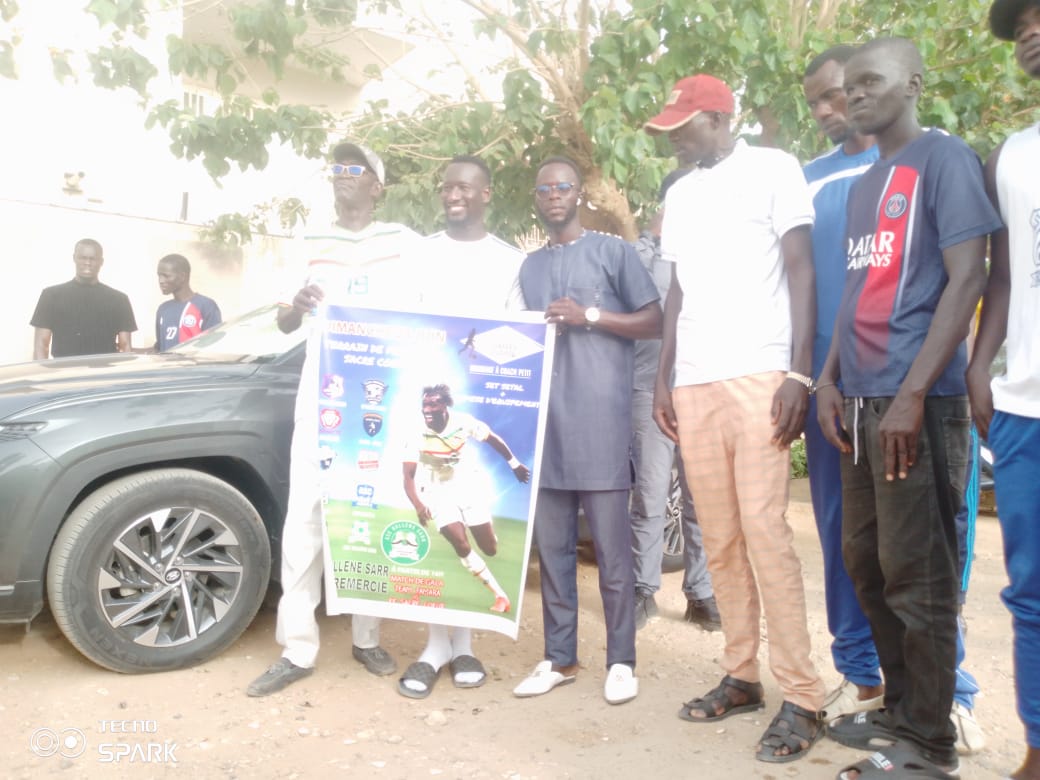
{"x": 652, "y": 456}
{"x": 900, "y": 548}
{"x": 1015, "y": 442}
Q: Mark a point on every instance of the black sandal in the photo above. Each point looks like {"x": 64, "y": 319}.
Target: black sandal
{"x": 787, "y": 730}
{"x": 463, "y": 664}
{"x": 420, "y": 672}
{"x": 707, "y": 705}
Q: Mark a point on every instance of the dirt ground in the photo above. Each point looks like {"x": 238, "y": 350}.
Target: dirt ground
{"x": 199, "y": 722}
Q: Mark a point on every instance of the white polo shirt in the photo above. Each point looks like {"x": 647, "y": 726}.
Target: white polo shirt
{"x": 722, "y": 228}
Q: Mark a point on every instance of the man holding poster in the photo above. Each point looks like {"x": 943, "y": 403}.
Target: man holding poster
{"x": 597, "y": 293}
{"x": 489, "y": 264}
{"x": 356, "y": 261}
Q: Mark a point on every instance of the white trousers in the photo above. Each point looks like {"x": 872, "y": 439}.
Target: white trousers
{"x": 303, "y": 558}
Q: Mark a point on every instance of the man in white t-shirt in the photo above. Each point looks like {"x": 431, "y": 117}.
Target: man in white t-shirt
{"x": 1007, "y": 409}
{"x": 356, "y": 261}
{"x": 476, "y": 274}
{"x": 738, "y": 330}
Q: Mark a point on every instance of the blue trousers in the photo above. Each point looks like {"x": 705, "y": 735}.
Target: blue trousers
{"x": 967, "y": 516}
{"x": 1015, "y": 442}
{"x": 556, "y": 534}
{"x": 853, "y": 648}
{"x": 966, "y": 686}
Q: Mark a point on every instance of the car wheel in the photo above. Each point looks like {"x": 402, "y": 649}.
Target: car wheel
{"x": 158, "y": 570}
{"x": 672, "y": 559}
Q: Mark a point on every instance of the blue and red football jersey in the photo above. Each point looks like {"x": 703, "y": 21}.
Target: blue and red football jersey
{"x": 177, "y": 321}
{"x": 902, "y": 213}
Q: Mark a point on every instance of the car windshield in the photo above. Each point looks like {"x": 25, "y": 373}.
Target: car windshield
{"x": 253, "y": 337}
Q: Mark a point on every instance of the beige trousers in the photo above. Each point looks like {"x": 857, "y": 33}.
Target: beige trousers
{"x": 739, "y": 482}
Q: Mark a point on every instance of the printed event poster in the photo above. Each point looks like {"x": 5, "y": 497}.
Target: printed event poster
{"x": 430, "y": 430}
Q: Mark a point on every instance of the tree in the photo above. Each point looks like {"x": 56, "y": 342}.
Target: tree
{"x": 584, "y": 84}
{"x": 578, "y": 78}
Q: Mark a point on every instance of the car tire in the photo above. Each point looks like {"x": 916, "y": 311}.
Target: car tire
{"x": 674, "y": 542}
{"x": 159, "y": 570}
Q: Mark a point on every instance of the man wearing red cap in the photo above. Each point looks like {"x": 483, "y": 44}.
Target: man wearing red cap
{"x": 737, "y": 229}
{"x": 1008, "y": 410}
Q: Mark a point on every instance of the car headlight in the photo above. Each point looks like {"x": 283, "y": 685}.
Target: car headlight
{"x": 20, "y": 430}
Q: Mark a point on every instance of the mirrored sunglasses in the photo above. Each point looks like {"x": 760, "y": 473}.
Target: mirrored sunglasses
{"x": 338, "y": 169}
{"x": 562, "y": 187}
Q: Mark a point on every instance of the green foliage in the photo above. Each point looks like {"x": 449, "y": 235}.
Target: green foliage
{"x": 60, "y": 65}
{"x": 799, "y": 464}
{"x": 205, "y": 62}
{"x": 270, "y": 31}
{"x": 239, "y": 132}
{"x": 578, "y": 78}
{"x": 121, "y": 66}
{"x": 234, "y": 230}
{"x": 8, "y": 66}
{"x": 123, "y": 14}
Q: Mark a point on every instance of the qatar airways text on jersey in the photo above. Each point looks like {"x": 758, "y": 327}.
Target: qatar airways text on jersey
{"x": 874, "y": 250}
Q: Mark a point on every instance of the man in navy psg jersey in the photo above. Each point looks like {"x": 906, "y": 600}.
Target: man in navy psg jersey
{"x": 915, "y": 267}
{"x": 187, "y": 314}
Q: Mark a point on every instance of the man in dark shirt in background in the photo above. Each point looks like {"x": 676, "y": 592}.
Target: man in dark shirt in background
{"x": 82, "y": 316}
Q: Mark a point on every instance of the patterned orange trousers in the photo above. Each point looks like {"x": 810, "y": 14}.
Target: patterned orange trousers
{"x": 739, "y": 482}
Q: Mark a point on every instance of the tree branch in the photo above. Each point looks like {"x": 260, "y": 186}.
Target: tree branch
{"x": 471, "y": 77}
{"x": 583, "y": 37}
{"x": 545, "y": 68}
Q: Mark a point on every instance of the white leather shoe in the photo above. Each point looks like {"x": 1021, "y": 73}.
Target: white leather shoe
{"x": 844, "y": 700}
{"x": 621, "y": 685}
{"x": 542, "y": 680}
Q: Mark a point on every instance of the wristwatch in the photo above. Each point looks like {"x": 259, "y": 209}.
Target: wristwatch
{"x": 802, "y": 379}
{"x": 591, "y": 315}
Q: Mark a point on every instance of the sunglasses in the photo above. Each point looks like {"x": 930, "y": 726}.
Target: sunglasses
{"x": 562, "y": 187}
{"x": 338, "y": 169}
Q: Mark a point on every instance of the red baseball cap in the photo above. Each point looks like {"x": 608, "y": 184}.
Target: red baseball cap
{"x": 690, "y": 96}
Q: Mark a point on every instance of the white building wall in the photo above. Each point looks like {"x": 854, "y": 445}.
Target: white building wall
{"x": 40, "y": 239}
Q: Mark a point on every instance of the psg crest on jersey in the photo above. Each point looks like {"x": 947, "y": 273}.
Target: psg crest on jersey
{"x": 895, "y": 206}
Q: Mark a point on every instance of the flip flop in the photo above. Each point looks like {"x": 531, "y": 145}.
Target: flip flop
{"x": 863, "y": 731}
{"x": 467, "y": 664}
{"x": 898, "y": 760}
{"x": 542, "y": 680}
{"x": 420, "y": 672}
